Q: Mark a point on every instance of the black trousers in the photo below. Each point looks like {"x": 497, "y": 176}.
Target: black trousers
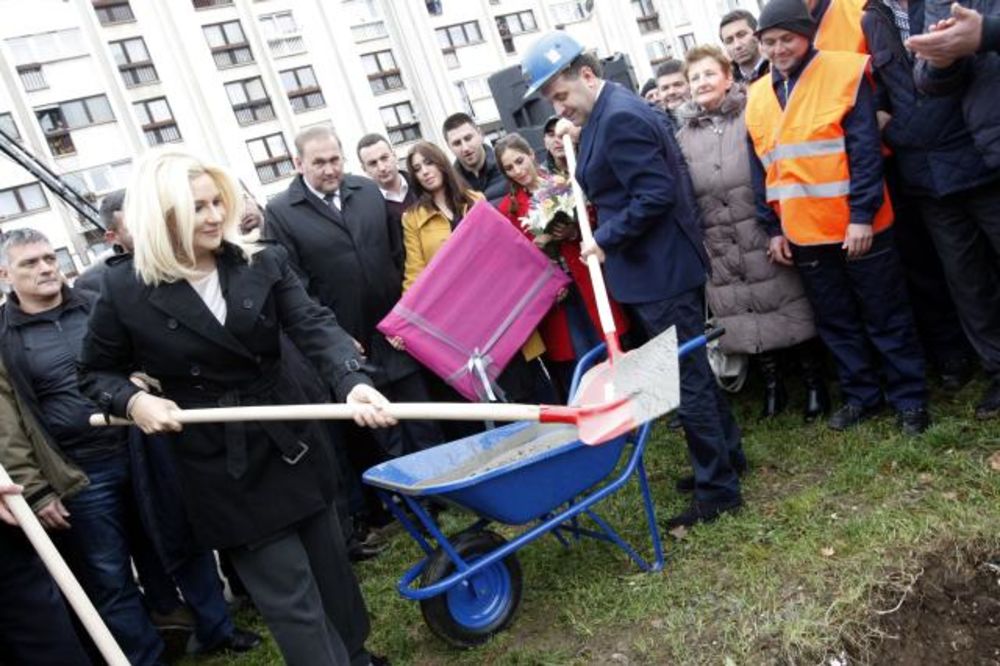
{"x": 713, "y": 438}
{"x": 934, "y": 310}
{"x": 35, "y": 626}
{"x": 966, "y": 232}
{"x": 862, "y": 304}
{"x": 303, "y": 585}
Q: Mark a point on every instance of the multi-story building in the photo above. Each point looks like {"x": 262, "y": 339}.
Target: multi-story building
{"x": 88, "y": 85}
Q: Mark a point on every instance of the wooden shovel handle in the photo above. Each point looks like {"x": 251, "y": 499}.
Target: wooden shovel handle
{"x": 448, "y": 411}
{"x": 593, "y": 265}
{"x": 64, "y": 578}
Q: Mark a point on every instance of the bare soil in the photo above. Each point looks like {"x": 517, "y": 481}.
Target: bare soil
{"x": 950, "y": 614}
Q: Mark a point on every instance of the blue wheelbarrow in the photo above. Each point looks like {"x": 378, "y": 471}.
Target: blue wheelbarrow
{"x": 469, "y": 585}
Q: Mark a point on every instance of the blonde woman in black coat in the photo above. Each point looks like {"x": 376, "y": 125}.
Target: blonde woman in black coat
{"x": 202, "y": 314}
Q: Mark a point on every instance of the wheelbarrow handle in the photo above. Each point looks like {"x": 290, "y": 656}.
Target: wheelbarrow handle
{"x": 714, "y": 333}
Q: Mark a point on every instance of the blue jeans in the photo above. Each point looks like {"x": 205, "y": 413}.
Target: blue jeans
{"x": 35, "y": 627}
{"x": 198, "y": 580}
{"x": 100, "y": 517}
{"x": 713, "y": 438}
{"x": 861, "y": 304}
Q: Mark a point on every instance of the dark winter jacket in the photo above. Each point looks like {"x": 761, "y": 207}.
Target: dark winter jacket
{"x": 346, "y": 262}
{"x": 976, "y": 78}
{"x": 490, "y": 181}
{"x": 40, "y": 353}
{"x": 241, "y": 483}
{"x": 933, "y": 148}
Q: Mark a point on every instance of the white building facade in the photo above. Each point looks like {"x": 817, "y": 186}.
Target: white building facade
{"x": 88, "y": 85}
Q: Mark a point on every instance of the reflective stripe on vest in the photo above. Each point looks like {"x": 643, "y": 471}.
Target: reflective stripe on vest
{"x": 841, "y": 188}
{"x": 803, "y": 148}
{"x": 840, "y": 27}
{"x": 806, "y": 149}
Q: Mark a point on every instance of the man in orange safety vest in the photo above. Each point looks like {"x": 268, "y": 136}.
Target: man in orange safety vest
{"x": 817, "y": 173}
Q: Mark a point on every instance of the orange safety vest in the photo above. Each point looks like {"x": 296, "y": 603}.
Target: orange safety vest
{"x": 840, "y": 27}
{"x": 804, "y": 152}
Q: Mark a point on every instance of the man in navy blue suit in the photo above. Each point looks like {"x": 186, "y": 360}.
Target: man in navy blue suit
{"x": 648, "y": 236}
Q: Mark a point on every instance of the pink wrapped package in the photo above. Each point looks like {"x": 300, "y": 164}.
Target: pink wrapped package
{"x": 476, "y": 303}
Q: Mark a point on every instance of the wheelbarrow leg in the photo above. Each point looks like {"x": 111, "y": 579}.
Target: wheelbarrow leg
{"x": 654, "y": 529}
{"x": 400, "y": 515}
{"x": 432, "y": 528}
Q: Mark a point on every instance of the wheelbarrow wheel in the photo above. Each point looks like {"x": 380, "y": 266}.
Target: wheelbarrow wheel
{"x": 482, "y": 605}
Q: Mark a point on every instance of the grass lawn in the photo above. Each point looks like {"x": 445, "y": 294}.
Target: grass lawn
{"x": 835, "y": 530}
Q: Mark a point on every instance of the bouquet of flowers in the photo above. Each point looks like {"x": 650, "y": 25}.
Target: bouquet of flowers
{"x": 552, "y": 204}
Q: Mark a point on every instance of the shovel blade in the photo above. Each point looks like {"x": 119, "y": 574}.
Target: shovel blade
{"x": 647, "y": 378}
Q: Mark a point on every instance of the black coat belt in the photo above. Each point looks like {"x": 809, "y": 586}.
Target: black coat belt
{"x": 257, "y": 392}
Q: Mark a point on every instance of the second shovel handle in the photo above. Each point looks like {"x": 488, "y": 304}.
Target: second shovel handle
{"x": 587, "y": 236}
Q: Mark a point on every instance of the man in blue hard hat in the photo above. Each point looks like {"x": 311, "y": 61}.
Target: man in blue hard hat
{"x": 649, "y": 239}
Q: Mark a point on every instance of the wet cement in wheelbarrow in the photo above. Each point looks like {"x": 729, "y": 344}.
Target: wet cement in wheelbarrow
{"x": 522, "y": 445}
{"x": 950, "y": 616}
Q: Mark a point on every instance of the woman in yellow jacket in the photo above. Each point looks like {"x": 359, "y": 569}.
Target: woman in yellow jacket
{"x": 443, "y": 199}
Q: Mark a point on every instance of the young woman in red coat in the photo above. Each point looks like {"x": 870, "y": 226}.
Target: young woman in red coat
{"x": 572, "y": 326}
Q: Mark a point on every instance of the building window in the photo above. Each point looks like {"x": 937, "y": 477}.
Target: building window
{"x": 365, "y": 19}
{"x": 8, "y": 127}
{"x": 205, "y": 4}
{"x": 46, "y": 47}
{"x": 32, "y": 77}
{"x": 568, "y": 12}
{"x": 434, "y": 7}
{"x": 282, "y": 33}
{"x": 688, "y": 42}
{"x": 270, "y": 157}
{"x": 79, "y": 113}
{"x": 99, "y": 180}
{"x": 66, "y": 264}
{"x": 451, "y": 59}
{"x": 646, "y": 16}
{"x": 678, "y": 11}
{"x": 57, "y": 121}
{"x": 110, "y": 12}
{"x": 303, "y": 91}
{"x": 157, "y": 121}
{"x": 56, "y": 132}
{"x": 22, "y": 199}
{"x": 228, "y": 43}
{"x": 519, "y": 23}
{"x": 250, "y": 101}
{"x": 477, "y": 98}
{"x": 658, "y": 52}
{"x": 400, "y": 122}
{"x": 460, "y": 34}
{"x": 134, "y": 62}
{"x": 383, "y": 73}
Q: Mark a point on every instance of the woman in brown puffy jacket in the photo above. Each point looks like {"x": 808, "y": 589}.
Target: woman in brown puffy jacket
{"x": 760, "y": 303}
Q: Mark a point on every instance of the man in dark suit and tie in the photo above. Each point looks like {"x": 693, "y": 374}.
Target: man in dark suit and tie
{"x": 335, "y": 227}
{"x": 649, "y": 238}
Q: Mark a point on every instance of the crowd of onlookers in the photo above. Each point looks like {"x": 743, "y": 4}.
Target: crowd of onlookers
{"x": 833, "y": 169}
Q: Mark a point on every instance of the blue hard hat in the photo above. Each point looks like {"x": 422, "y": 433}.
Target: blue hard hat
{"x": 551, "y": 54}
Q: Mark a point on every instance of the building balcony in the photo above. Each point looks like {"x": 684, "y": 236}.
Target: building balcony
{"x": 286, "y": 46}
{"x": 364, "y": 32}
{"x": 649, "y": 23}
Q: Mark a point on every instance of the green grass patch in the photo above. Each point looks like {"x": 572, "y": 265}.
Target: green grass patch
{"x": 831, "y": 521}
